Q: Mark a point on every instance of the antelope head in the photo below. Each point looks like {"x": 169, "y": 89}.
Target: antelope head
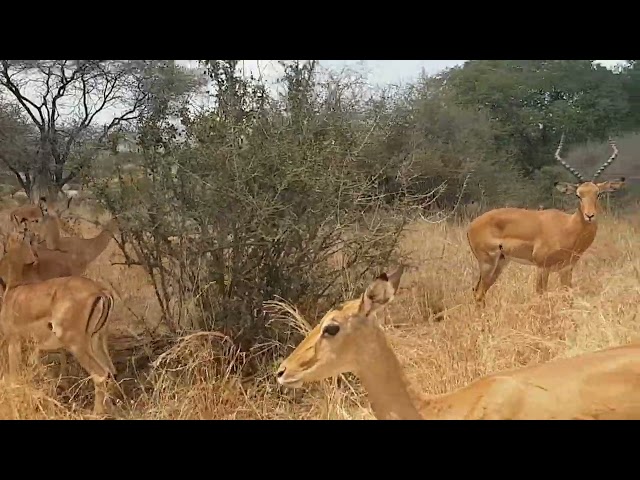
{"x": 588, "y": 191}
{"x": 341, "y": 341}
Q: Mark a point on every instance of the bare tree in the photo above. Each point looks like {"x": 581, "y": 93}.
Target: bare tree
{"x": 62, "y": 100}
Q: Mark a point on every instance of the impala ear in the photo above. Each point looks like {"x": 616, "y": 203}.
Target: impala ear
{"x": 611, "y": 185}
{"x": 566, "y": 188}
{"x": 380, "y": 292}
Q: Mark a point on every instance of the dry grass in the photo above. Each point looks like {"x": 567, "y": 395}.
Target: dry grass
{"x": 442, "y": 339}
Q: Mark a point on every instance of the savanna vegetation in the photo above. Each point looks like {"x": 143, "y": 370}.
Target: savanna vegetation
{"x": 229, "y": 214}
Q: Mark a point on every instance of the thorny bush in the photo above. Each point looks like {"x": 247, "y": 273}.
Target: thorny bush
{"x": 260, "y": 198}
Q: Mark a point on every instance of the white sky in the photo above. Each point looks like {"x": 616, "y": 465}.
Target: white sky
{"x": 380, "y": 72}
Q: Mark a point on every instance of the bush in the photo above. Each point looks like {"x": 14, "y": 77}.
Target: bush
{"x": 258, "y": 198}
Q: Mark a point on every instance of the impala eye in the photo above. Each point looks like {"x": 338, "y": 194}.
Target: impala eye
{"x": 331, "y": 330}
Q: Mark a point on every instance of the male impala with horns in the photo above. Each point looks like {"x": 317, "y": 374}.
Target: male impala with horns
{"x": 550, "y": 240}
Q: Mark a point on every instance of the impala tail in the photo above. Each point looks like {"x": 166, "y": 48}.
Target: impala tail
{"x": 471, "y": 245}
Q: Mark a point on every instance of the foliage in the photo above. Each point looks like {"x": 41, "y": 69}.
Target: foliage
{"x": 263, "y": 197}
{"x": 303, "y": 192}
{"x": 61, "y": 99}
{"x": 531, "y": 102}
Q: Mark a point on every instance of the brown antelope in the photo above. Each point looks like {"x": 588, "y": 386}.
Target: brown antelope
{"x": 29, "y": 213}
{"x": 69, "y": 312}
{"x": 50, "y": 264}
{"x": 597, "y": 385}
{"x": 551, "y": 240}
{"x": 27, "y": 216}
{"x": 82, "y": 251}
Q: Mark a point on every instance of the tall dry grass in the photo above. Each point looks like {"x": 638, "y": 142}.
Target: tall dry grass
{"x": 443, "y": 340}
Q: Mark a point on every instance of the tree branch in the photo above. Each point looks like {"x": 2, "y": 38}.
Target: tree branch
{"x": 8, "y": 83}
{"x": 26, "y": 184}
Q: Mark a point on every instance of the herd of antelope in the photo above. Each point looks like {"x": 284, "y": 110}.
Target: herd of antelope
{"x": 597, "y": 385}
{"x": 46, "y": 297}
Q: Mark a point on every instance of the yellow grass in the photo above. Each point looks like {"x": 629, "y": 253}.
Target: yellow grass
{"x": 443, "y": 340}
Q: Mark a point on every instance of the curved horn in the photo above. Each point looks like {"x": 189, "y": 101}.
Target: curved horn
{"x": 609, "y": 161}
{"x": 573, "y": 171}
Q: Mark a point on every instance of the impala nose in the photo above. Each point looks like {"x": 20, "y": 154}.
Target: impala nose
{"x": 280, "y": 372}
{"x": 589, "y": 216}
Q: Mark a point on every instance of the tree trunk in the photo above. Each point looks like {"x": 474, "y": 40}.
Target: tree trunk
{"x": 41, "y": 175}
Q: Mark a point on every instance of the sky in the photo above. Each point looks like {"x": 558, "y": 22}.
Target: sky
{"x": 380, "y": 72}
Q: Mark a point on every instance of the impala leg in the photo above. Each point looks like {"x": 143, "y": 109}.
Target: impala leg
{"x": 63, "y": 363}
{"x": 87, "y": 359}
{"x": 34, "y": 358}
{"x": 105, "y": 354}
{"x": 15, "y": 357}
{"x": 542, "y": 280}
{"x": 100, "y": 394}
{"x": 565, "y": 276}
{"x": 478, "y": 284}
{"x": 101, "y": 351}
{"x": 489, "y": 273}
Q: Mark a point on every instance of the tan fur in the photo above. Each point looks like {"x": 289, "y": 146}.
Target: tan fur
{"x": 27, "y": 214}
{"x": 29, "y": 217}
{"x": 70, "y": 313}
{"x": 550, "y": 240}
{"x": 51, "y": 263}
{"x": 597, "y": 385}
{"x": 82, "y": 251}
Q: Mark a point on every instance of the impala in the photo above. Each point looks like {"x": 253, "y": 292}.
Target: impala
{"x": 26, "y": 216}
{"x": 597, "y": 385}
{"x": 550, "y": 240}
{"x": 29, "y": 213}
{"x": 54, "y": 263}
{"x": 81, "y": 251}
{"x": 50, "y": 264}
{"x": 68, "y": 312}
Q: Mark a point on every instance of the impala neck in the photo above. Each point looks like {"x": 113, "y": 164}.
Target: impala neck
{"x": 581, "y": 231}
{"x": 52, "y": 235}
{"x": 101, "y": 241}
{"x": 93, "y": 247}
{"x": 382, "y": 377}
